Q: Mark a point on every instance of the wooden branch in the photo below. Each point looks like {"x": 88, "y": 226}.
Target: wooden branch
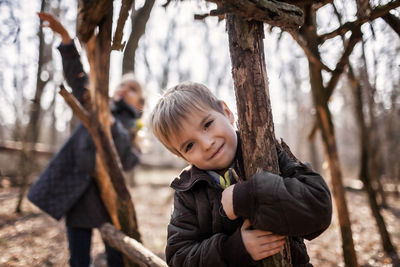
{"x": 311, "y": 57}
{"x": 138, "y": 23}
{"x": 90, "y": 15}
{"x": 273, "y": 12}
{"x": 256, "y": 125}
{"x": 313, "y": 131}
{"x": 377, "y": 12}
{"x": 132, "y": 249}
{"x": 123, "y": 15}
{"x": 35, "y": 148}
{"x": 307, "y": 2}
{"x": 393, "y": 22}
{"x": 112, "y": 165}
{"x": 76, "y": 107}
{"x": 344, "y": 60}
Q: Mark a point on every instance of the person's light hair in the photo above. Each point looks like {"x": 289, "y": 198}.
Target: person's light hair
{"x": 131, "y": 79}
{"x": 174, "y": 107}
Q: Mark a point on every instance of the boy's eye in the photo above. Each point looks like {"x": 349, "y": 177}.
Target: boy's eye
{"x": 208, "y": 124}
{"x": 188, "y": 147}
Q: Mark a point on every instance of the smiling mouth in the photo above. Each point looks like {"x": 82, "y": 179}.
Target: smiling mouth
{"x": 217, "y": 152}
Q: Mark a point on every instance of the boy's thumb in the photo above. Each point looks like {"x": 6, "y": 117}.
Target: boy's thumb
{"x": 246, "y": 224}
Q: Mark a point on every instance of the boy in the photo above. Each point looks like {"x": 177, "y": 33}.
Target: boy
{"x": 66, "y": 187}
{"x": 217, "y": 222}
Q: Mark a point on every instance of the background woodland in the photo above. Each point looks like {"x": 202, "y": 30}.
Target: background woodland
{"x": 334, "y": 87}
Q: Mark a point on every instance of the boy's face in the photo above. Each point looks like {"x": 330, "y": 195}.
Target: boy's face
{"x": 207, "y": 139}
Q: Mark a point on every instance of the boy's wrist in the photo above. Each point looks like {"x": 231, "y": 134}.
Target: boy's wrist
{"x": 242, "y": 200}
{"x": 227, "y": 202}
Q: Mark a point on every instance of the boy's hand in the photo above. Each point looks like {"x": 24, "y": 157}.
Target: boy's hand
{"x": 55, "y": 26}
{"x": 227, "y": 202}
{"x": 260, "y": 244}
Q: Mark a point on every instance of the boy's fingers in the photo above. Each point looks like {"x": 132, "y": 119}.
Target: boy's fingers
{"x": 271, "y": 252}
{"x": 270, "y": 244}
{"x": 271, "y": 236}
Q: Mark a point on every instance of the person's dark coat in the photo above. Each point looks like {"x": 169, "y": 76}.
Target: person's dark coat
{"x": 66, "y": 187}
{"x": 296, "y": 203}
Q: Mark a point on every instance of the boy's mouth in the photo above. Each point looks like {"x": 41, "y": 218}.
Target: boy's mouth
{"x": 217, "y": 152}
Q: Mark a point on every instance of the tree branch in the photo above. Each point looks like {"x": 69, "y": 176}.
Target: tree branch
{"x": 377, "y": 12}
{"x": 126, "y": 5}
{"x": 307, "y": 2}
{"x": 132, "y": 249}
{"x": 344, "y": 60}
{"x": 393, "y": 22}
{"x": 76, "y": 106}
{"x": 273, "y": 12}
{"x": 138, "y": 22}
{"x": 110, "y": 160}
{"x": 89, "y": 16}
{"x": 311, "y": 57}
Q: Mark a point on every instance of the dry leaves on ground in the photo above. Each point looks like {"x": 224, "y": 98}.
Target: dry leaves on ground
{"x": 35, "y": 239}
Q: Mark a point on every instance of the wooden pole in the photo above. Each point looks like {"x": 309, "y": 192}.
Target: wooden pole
{"x": 256, "y": 125}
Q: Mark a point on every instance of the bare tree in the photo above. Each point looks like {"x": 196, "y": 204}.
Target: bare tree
{"x": 31, "y": 132}
{"x": 310, "y": 40}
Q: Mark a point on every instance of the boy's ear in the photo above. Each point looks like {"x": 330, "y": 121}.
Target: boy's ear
{"x": 228, "y": 112}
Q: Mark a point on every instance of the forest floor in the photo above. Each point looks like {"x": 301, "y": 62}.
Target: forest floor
{"x": 35, "y": 239}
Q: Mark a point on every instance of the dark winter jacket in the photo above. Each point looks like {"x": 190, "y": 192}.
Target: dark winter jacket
{"x": 296, "y": 203}
{"x": 67, "y": 187}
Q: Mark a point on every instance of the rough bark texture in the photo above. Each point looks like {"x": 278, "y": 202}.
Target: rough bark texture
{"x": 130, "y": 247}
{"x": 253, "y": 104}
{"x": 90, "y": 14}
{"x": 276, "y": 13}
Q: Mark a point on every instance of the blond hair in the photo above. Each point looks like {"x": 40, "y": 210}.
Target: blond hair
{"x": 174, "y": 107}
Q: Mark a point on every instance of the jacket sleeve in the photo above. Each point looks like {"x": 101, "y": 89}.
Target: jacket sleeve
{"x": 295, "y": 203}
{"x": 73, "y": 70}
{"x": 187, "y": 246}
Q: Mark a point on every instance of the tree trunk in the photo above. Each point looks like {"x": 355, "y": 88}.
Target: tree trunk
{"x": 138, "y": 21}
{"x": 325, "y": 124}
{"x": 26, "y": 161}
{"x": 365, "y": 177}
{"x": 253, "y": 103}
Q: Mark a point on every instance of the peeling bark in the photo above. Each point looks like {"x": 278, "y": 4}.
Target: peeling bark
{"x": 255, "y": 121}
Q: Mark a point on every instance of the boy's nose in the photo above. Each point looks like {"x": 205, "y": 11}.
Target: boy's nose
{"x": 208, "y": 143}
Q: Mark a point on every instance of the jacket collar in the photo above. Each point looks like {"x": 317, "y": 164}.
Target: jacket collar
{"x": 190, "y": 176}
{"x": 125, "y": 113}
{"x": 120, "y": 106}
